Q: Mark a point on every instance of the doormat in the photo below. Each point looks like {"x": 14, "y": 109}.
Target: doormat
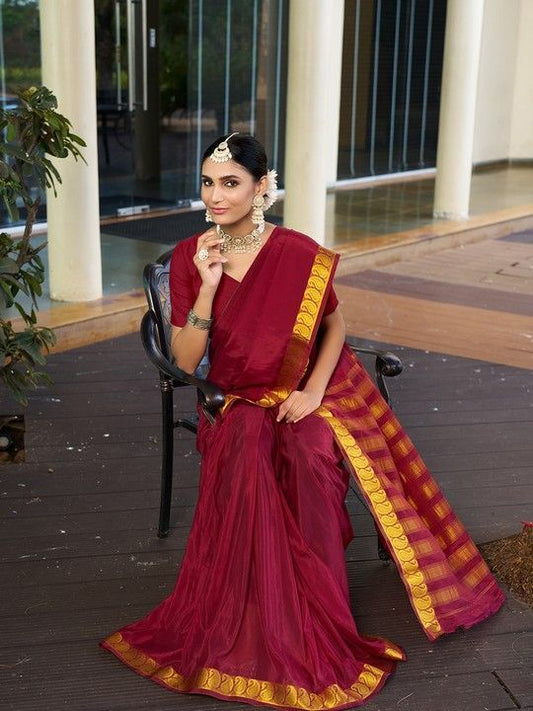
{"x": 166, "y": 229}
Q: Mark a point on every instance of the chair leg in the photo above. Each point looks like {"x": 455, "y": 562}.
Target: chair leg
{"x": 167, "y": 459}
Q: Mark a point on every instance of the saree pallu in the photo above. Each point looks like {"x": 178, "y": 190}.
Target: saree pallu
{"x": 260, "y": 612}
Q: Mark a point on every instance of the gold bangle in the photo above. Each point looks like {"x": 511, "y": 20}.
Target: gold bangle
{"x": 203, "y": 324}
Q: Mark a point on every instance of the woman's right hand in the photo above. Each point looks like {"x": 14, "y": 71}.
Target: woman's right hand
{"x": 210, "y": 269}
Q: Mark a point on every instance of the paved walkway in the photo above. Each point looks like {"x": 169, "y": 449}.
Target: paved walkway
{"x": 474, "y": 300}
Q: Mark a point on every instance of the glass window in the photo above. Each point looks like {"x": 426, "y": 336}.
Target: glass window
{"x": 237, "y": 75}
{"x": 218, "y": 66}
{"x": 392, "y": 67}
{"x": 20, "y": 57}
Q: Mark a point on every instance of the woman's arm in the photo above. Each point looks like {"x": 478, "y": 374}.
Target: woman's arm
{"x": 188, "y": 343}
{"x": 303, "y": 402}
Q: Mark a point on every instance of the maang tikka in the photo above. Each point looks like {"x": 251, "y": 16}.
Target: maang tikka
{"x": 221, "y": 154}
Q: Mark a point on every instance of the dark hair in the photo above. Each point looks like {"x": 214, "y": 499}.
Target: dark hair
{"x": 246, "y": 150}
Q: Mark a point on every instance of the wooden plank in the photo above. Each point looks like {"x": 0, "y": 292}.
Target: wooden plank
{"x": 79, "y": 675}
{"x": 45, "y": 514}
{"x": 509, "y": 651}
{"x": 493, "y": 459}
{"x": 47, "y": 432}
{"x": 449, "y": 657}
{"x": 118, "y": 556}
{"x": 476, "y": 692}
{"x": 28, "y": 480}
{"x": 471, "y": 479}
{"x": 519, "y": 682}
{"x": 76, "y": 657}
{"x": 152, "y": 584}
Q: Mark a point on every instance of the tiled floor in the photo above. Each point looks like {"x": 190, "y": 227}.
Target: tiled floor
{"x": 396, "y": 207}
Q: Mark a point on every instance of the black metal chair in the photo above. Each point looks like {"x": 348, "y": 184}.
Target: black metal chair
{"x": 155, "y": 336}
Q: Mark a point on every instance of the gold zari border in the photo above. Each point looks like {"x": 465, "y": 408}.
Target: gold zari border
{"x": 302, "y": 331}
{"x": 240, "y": 687}
{"x": 391, "y": 525}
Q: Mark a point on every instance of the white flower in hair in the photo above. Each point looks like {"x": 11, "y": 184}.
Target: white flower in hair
{"x": 272, "y": 189}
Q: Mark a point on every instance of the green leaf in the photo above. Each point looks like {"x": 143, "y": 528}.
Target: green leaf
{"x": 11, "y": 132}
{"x": 8, "y": 266}
{"x": 22, "y": 312}
{"x": 8, "y": 296}
{"x": 51, "y": 168}
{"x": 16, "y": 284}
{"x": 32, "y": 282}
{"x": 77, "y": 140}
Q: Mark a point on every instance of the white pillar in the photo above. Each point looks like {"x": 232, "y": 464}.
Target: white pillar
{"x": 462, "y": 45}
{"x": 312, "y": 120}
{"x": 333, "y": 97}
{"x": 69, "y": 71}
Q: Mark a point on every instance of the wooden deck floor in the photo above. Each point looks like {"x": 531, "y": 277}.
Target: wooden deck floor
{"x": 80, "y": 556}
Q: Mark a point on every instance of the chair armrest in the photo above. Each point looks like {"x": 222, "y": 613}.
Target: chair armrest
{"x": 388, "y": 364}
{"x": 211, "y": 396}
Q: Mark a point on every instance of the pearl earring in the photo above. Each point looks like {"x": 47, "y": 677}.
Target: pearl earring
{"x": 258, "y": 216}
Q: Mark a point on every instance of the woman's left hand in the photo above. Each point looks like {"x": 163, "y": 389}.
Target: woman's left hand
{"x": 298, "y": 405}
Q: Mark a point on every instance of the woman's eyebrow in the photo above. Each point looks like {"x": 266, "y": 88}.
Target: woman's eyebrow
{"x": 223, "y": 177}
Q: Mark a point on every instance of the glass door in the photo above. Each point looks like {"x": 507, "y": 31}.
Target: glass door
{"x": 127, "y": 57}
{"x": 171, "y": 76}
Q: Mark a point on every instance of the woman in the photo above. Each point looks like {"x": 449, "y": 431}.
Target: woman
{"x": 260, "y": 612}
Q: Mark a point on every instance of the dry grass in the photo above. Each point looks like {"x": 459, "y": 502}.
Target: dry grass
{"x": 511, "y": 560}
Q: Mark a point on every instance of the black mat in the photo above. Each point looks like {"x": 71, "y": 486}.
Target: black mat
{"x": 167, "y": 229}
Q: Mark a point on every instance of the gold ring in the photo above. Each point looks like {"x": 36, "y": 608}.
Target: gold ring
{"x": 203, "y": 254}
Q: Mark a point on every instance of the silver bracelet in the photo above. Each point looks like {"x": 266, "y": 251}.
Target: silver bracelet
{"x": 203, "y": 324}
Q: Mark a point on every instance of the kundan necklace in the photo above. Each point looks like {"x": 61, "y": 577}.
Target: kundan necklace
{"x": 238, "y": 244}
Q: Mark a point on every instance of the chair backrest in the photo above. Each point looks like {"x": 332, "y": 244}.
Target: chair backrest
{"x": 157, "y": 290}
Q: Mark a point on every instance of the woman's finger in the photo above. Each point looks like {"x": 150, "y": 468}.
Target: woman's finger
{"x": 296, "y": 414}
{"x": 208, "y": 239}
{"x": 285, "y": 407}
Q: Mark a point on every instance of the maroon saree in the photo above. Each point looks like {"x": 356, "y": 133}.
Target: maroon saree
{"x": 260, "y": 612}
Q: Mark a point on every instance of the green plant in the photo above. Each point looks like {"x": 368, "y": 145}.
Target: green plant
{"x": 30, "y": 135}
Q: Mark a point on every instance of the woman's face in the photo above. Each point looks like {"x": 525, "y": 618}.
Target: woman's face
{"x": 228, "y": 190}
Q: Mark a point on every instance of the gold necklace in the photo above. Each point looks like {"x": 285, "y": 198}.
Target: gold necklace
{"x": 238, "y": 244}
